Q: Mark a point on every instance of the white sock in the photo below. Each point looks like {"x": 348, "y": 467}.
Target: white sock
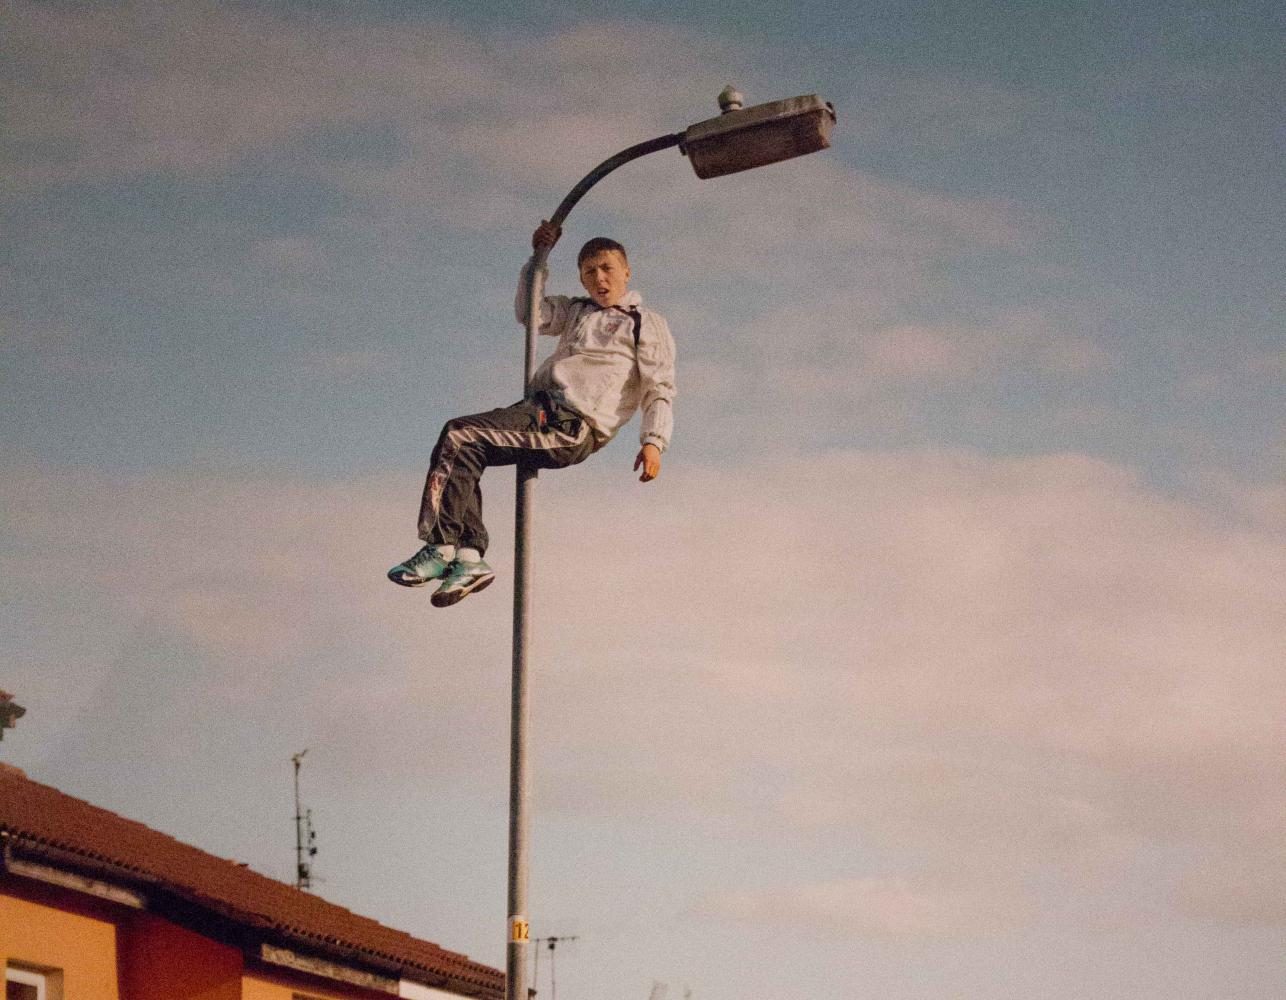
{"x": 469, "y": 555}
{"x": 445, "y": 552}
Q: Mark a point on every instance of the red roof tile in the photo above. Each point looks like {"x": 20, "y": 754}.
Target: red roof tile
{"x": 37, "y": 816}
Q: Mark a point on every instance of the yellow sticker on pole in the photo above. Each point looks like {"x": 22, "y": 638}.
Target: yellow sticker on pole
{"x": 519, "y": 930}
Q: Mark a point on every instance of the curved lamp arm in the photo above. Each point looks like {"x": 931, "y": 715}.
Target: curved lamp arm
{"x": 535, "y": 275}
{"x": 607, "y": 166}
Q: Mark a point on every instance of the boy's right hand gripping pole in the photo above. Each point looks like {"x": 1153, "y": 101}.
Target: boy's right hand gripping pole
{"x": 545, "y": 236}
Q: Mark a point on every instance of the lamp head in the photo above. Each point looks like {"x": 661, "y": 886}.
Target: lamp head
{"x": 744, "y": 138}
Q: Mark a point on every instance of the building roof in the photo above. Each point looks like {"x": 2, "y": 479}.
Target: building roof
{"x": 41, "y": 821}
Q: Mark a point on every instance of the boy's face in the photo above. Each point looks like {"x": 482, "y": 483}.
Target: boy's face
{"x": 605, "y": 277}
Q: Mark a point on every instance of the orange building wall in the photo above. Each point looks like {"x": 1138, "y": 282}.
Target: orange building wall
{"x": 107, "y": 952}
{"x": 162, "y": 961}
{"x": 79, "y": 943}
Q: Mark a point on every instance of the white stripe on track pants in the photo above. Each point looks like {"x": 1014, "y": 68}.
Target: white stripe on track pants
{"x": 534, "y": 433}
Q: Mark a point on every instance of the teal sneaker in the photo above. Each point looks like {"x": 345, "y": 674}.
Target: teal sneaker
{"x": 422, "y": 567}
{"x": 462, "y": 579}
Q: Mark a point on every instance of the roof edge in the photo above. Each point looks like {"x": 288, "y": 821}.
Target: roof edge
{"x": 36, "y": 859}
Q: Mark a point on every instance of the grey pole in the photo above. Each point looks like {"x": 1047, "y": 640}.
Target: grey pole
{"x": 519, "y": 767}
{"x": 738, "y": 140}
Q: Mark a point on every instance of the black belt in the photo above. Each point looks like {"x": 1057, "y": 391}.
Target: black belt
{"x": 552, "y": 414}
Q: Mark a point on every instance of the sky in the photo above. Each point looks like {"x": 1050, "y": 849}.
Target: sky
{"x": 944, "y": 661}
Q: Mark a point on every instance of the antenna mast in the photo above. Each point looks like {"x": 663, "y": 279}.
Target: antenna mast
{"x": 535, "y": 962}
{"x": 305, "y": 836}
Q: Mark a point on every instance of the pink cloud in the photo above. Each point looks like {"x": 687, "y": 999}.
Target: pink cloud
{"x": 1034, "y": 666}
{"x": 928, "y": 637}
{"x": 883, "y": 907}
{"x": 1022, "y": 340}
{"x": 913, "y": 351}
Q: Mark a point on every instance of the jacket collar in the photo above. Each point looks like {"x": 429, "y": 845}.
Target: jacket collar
{"x": 632, "y": 300}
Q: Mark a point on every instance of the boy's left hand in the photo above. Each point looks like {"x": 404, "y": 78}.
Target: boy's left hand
{"x": 649, "y": 457}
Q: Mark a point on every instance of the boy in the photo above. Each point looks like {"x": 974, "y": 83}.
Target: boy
{"x": 613, "y": 357}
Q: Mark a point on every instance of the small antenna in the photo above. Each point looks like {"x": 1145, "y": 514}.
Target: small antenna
{"x": 305, "y": 835}
{"x": 552, "y": 942}
{"x": 10, "y": 712}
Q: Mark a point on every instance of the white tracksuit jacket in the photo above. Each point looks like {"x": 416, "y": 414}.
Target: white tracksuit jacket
{"x": 594, "y": 368}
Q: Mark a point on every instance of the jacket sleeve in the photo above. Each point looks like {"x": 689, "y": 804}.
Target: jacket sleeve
{"x": 656, "y": 374}
{"x": 554, "y": 309}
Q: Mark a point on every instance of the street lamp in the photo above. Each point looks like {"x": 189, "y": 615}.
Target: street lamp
{"x": 739, "y": 139}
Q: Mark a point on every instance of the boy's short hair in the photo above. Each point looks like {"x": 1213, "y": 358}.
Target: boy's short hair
{"x": 599, "y": 244}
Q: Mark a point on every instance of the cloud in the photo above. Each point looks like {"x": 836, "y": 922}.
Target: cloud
{"x": 469, "y": 126}
{"x": 1231, "y": 374}
{"x": 881, "y": 907}
{"x": 949, "y": 354}
{"x": 426, "y": 127}
{"x": 195, "y": 86}
{"x": 1246, "y": 889}
{"x": 935, "y": 111}
{"x": 962, "y": 673}
{"x": 424, "y": 122}
{"x": 958, "y": 659}
{"x": 818, "y": 222}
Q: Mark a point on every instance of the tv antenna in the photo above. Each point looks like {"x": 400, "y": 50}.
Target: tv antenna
{"x": 305, "y": 835}
{"x": 10, "y": 712}
{"x": 552, "y": 943}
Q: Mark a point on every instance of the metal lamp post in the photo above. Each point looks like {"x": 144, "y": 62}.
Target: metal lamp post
{"x": 739, "y": 139}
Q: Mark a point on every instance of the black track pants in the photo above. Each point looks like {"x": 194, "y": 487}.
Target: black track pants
{"x": 534, "y": 433}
